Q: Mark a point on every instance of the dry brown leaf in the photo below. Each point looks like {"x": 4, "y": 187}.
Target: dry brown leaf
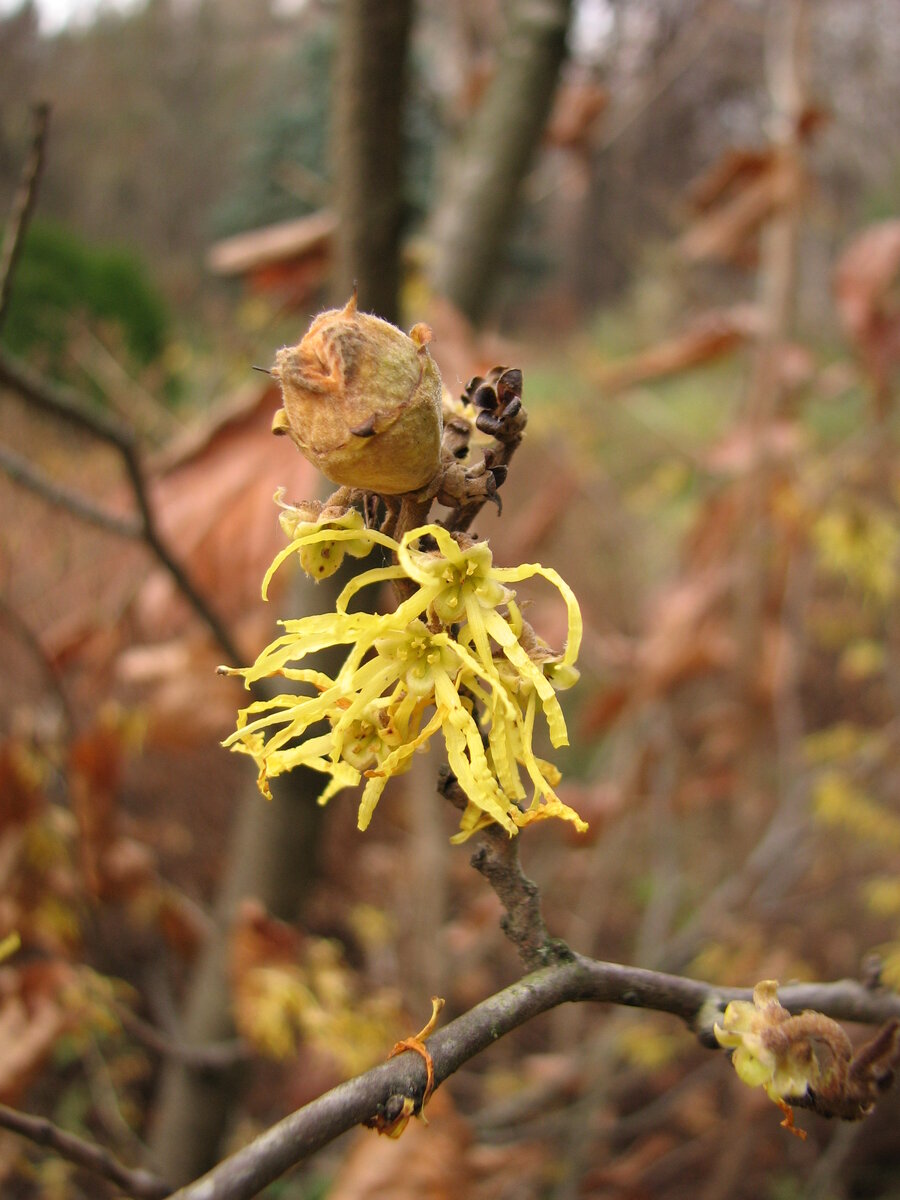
{"x": 260, "y": 940}
{"x": 213, "y": 500}
{"x": 708, "y": 338}
{"x": 741, "y": 451}
{"x": 95, "y": 770}
{"x": 31, "y": 1020}
{"x": 733, "y": 171}
{"x": 183, "y": 925}
{"x": 21, "y": 796}
{"x": 517, "y": 1172}
{"x": 175, "y": 683}
{"x": 459, "y": 350}
{"x": 599, "y": 803}
{"x": 727, "y": 230}
{"x": 548, "y": 503}
{"x": 868, "y": 298}
{"x": 688, "y": 635}
{"x": 576, "y": 109}
{"x": 625, "y": 1173}
{"x": 212, "y": 495}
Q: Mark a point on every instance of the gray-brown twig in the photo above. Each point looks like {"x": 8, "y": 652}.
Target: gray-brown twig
{"x": 23, "y": 205}
{"x": 134, "y": 1181}
{"x": 497, "y": 859}
{"x": 302, "y": 1133}
{"x": 64, "y": 405}
{"x": 213, "y": 1057}
{"x": 22, "y": 472}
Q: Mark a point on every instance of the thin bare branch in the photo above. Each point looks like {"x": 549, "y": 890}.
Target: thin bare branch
{"x": 134, "y": 1181}
{"x": 27, "y": 638}
{"x": 22, "y": 472}
{"x": 23, "y": 205}
{"x": 383, "y": 1089}
{"x": 65, "y": 405}
{"x": 497, "y": 859}
{"x": 215, "y": 1056}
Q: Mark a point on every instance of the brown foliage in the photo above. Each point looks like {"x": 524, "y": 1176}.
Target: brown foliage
{"x": 866, "y": 295}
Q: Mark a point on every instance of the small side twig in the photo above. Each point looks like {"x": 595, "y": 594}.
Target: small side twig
{"x": 64, "y": 405}
{"x": 497, "y": 859}
{"x": 23, "y": 205}
{"x": 216, "y": 1056}
{"x": 20, "y": 471}
{"x": 137, "y": 1182}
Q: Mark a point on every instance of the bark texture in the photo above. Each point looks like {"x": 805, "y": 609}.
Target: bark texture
{"x": 368, "y": 138}
{"x": 478, "y": 207}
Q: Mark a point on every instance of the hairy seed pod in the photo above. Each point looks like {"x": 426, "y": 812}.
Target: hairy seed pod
{"x": 362, "y": 401}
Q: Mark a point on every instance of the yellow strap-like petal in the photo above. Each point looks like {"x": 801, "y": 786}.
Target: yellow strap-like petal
{"x": 366, "y": 579}
{"x": 461, "y": 735}
{"x": 575, "y": 624}
{"x": 407, "y": 557}
{"x": 395, "y": 761}
{"x": 324, "y": 535}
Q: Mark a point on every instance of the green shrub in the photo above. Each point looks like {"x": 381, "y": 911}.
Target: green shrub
{"x": 60, "y": 277}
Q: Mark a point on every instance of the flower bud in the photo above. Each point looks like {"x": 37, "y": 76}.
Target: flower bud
{"x": 362, "y": 401}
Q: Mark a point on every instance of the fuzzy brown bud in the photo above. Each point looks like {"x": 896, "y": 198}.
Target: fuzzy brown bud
{"x": 362, "y": 401}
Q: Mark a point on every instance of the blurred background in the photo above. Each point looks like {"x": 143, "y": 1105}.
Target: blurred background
{"x": 681, "y": 219}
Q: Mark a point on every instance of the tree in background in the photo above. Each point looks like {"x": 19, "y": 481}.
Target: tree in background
{"x": 477, "y": 207}
{"x": 769, "y": 1049}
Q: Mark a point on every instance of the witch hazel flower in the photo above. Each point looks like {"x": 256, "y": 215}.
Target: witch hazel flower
{"x": 454, "y": 657}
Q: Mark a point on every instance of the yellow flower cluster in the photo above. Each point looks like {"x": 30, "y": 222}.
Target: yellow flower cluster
{"x": 455, "y": 657}
{"x": 279, "y": 1006}
{"x": 859, "y": 543}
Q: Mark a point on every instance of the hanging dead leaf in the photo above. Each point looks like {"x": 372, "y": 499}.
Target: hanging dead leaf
{"x": 260, "y": 940}
{"x": 576, "y": 108}
{"x": 21, "y": 792}
{"x": 688, "y": 634}
{"x": 867, "y": 294}
{"x": 184, "y": 927}
{"x": 730, "y": 173}
{"x": 746, "y": 196}
{"x": 709, "y": 337}
{"x": 743, "y": 449}
{"x": 112, "y": 869}
{"x": 31, "y": 1020}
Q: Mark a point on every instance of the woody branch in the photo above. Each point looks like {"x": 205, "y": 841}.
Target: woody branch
{"x": 304, "y": 1132}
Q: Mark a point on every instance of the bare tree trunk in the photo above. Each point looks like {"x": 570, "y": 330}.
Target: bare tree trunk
{"x": 368, "y": 137}
{"x": 272, "y": 856}
{"x": 787, "y": 71}
{"x": 479, "y": 201}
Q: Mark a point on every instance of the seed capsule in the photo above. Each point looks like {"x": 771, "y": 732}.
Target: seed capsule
{"x": 362, "y": 401}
